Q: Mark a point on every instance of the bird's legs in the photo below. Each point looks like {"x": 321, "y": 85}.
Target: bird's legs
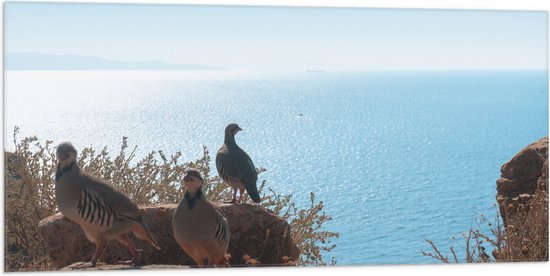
{"x": 135, "y": 252}
{"x": 241, "y": 190}
{"x": 99, "y": 246}
{"x": 235, "y": 188}
{"x": 234, "y": 200}
{"x": 205, "y": 261}
{"x": 220, "y": 262}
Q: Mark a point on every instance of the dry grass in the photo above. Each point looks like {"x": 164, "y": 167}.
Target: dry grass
{"x": 526, "y": 235}
{"x": 306, "y": 226}
{"x": 524, "y": 239}
{"x": 156, "y": 178}
{"x": 473, "y": 243}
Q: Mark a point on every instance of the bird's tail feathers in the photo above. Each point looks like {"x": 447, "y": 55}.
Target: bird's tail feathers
{"x": 141, "y": 231}
{"x": 253, "y": 192}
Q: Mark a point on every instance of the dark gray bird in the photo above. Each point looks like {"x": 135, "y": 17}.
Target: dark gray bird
{"x": 199, "y": 227}
{"x": 235, "y": 166}
{"x": 101, "y": 210}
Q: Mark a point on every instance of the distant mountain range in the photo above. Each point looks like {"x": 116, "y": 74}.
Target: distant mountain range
{"x": 40, "y": 61}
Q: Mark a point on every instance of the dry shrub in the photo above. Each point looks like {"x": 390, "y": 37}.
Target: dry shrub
{"x": 473, "y": 242}
{"x": 526, "y": 235}
{"x": 524, "y": 239}
{"x": 29, "y": 197}
{"x": 306, "y": 226}
{"x": 249, "y": 261}
{"x": 156, "y": 178}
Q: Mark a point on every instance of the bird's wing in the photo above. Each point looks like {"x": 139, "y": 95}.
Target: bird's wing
{"x": 249, "y": 177}
{"x": 224, "y": 165}
{"x": 112, "y": 198}
{"x": 93, "y": 208}
{"x": 222, "y": 233}
{"x": 233, "y": 162}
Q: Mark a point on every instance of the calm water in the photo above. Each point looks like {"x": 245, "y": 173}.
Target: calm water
{"x": 396, "y": 157}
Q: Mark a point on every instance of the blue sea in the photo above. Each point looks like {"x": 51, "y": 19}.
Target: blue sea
{"x": 396, "y": 157}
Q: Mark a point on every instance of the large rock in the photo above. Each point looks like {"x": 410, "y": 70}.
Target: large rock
{"x": 104, "y": 266}
{"x": 522, "y": 176}
{"x": 255, "y": 233}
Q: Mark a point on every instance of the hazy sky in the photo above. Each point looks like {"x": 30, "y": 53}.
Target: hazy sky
{"x": 282, "y": 38}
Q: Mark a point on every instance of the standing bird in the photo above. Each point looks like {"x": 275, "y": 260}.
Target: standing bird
{"x": 102, "y": 211}
{"x": 199, "y": 227}
{"x": 235, "y": 166}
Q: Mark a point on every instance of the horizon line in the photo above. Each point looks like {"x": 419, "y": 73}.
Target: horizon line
{"x": 312, "y": 69}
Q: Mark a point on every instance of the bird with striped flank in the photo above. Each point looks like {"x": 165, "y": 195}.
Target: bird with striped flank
{"x": 236, "y": 168}
{"x": 103, "y": 212}
{"x": 199, "y": 227}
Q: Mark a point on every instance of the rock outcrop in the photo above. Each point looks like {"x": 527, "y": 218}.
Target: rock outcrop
{"x": 522, "y": 176}
{"x": 255, "y": 233}
{"x": 104, "y": 266}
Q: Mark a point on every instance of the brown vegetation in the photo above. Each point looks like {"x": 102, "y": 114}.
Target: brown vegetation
{"x": 526, "y": 235}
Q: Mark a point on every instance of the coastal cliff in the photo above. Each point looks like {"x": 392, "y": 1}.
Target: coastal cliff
{"x": 522, "y": 178}
{"x": 258, "y": 237}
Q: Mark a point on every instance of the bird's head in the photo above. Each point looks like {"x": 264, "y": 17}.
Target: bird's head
{"x": 66, "y": 154}
{"x": 232, "y": 129}
{"x": 192, "y": 180}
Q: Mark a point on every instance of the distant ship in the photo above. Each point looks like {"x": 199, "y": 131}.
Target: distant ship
{"x": 315, "y": 71}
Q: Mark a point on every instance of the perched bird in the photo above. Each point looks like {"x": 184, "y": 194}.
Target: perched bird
{"x": 199, "y": 227}
{"x": 101, "y": 210}
{"x": 235, "y": 166}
